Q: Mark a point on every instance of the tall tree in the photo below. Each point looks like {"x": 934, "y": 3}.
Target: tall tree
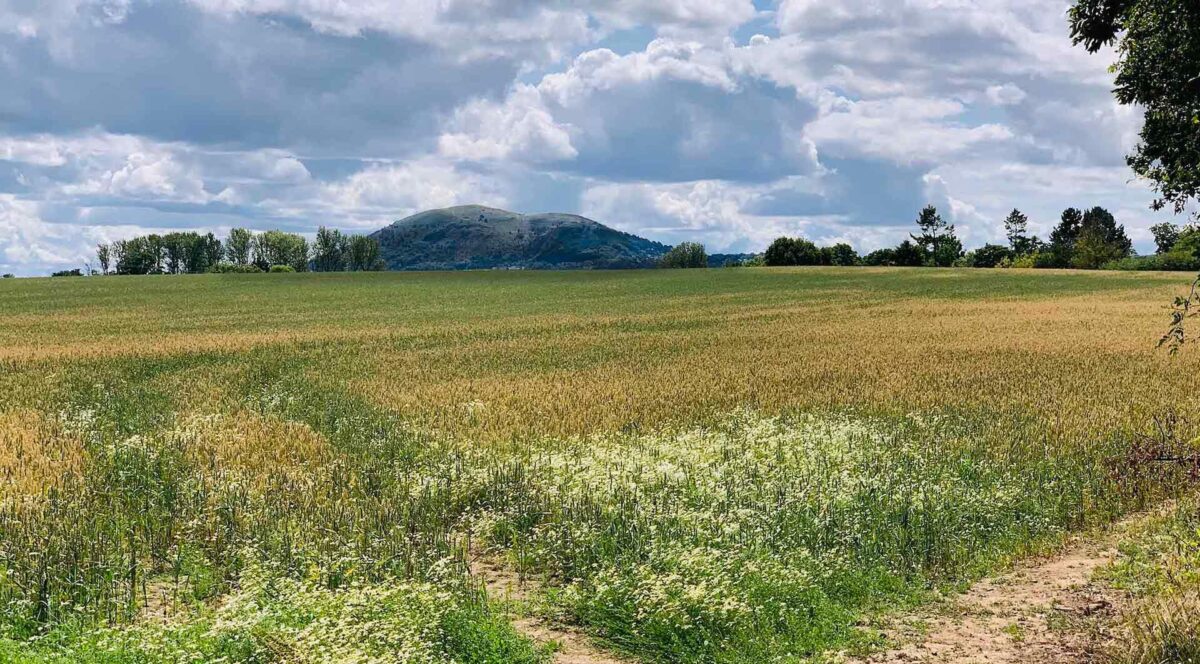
{"x": 685, "y": 255}
{"x": 932, "y": 228}
{"x": 273, "y": 248}
{"x": 365, "y": 254}
{"x": 104, "y": 256}
{"x": 238, "y": 246}
{"x": 1158, "y": 69}
{"x": 1016, "y": 227}
{"x": 1064, "y": 235}
{"x": 937, "y": 239}
{"x": 330, "y": 250}
{"x": 1113, "y": 234}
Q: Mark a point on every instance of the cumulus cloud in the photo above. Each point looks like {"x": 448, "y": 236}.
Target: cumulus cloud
{"x": 677, "y": 111}
{"x": 381, "y": 193}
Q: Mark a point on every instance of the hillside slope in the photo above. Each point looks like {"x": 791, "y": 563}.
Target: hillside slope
{"x": 476, "y": 237}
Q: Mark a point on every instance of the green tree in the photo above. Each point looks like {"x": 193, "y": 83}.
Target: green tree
{"x": 992, "y": 255}
{"x": 273, "y": 248}
{"x": 786, "y": 251}
{"x": 1016, "y": 227}
{"x": 1113, "y": 234}
{"x": 141, "y": 255}
{"x": 206, "y": 253}
{"x": 238, "y": 246}
{"x": 1063, "y": 237}
{"x": 880, "y": 257}
{"x": 937, "y": 239}
{"x": 364, "y": 254}
{"x": 1166, "y": 235}
{"x": 330, "y": 250}
{"x": 908, "y": 254}
{"x": 842, "y": 254}
{"x": 1158, "y": 69}
{"x": 685, "y": 255}
{"x": 1100, "y": 240}
{"x": 104, "y": 256}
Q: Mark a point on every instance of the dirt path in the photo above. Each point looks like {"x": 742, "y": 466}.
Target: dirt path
{"x": 1045, "y": 611}
{"x": 504, "y": 585}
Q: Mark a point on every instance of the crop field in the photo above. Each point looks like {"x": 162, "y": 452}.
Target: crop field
{"x": 728, "y": 466}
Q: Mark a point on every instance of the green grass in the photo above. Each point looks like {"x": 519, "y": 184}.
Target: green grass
{"x": 701, "y": 466}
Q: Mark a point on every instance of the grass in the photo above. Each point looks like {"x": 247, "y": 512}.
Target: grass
{"x": 1159, "y": 566}
{"x": 699, "y": 466}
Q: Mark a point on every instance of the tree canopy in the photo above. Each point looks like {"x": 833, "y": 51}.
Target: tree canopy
{"x": 242, "y": 251}
{"x": 1158, "y": 69}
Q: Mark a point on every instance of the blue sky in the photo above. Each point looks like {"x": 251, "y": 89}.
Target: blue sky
{"x": 727, "y": 122}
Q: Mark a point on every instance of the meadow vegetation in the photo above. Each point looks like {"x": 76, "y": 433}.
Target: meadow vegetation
{"x": 695, "y": 466}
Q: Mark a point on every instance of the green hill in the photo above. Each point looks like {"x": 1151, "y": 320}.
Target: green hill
{"x": 473, "y": 237}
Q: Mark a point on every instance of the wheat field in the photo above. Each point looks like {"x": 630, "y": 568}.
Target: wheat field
{"x": 737, "y": 465}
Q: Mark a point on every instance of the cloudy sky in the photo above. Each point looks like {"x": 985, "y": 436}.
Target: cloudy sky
{"x": 722, "y": 121}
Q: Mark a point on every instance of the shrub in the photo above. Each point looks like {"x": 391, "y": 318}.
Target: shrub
{"x": 1172, "y": 261}
{"x": 685, "y": 255}
{"x": 9, "y": 276}
{"x": 276, "y": 269}
{"x": 235, "y": 268}
{"x": 992, "y": 255}
{"x": 68, "y": 273}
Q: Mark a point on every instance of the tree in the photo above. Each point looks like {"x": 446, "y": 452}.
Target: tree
{"x": 908, "y": 254}
{"x": 932, "y": 227}
{"x": 685, "y": 255}
{"x": 1100, "y": 240}
{"x": 1063, "y": 237}
{"x": 841, "y": 254}
{"x": 104, "y": 256}
{"x": 365, "y": 254}
{"x": 880, "y": 257}
{"x": 1113, "y": 234}
{"x": 1016, "y": 226}
{"x": 238, "y": 246}
{"x": 947, "y": 250}
{"x": 273, "y": 248}
{"x": 1166, "y": 235}
{"x": 1158, "y": 69}
{"x": 992, "y": 255}
{"x": 786, "y": 251}
{"x": 206, "y": 251}
{"x": 937, "y": 239}
{"x": 330, "y": 251}
{"x": 141, "y": 255}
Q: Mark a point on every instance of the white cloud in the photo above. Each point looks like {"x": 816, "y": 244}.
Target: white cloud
{"x": 521, "y": 128}
{"x": 30, "y": 246}
{"x": 1005, "y": 95}
{"x": 379, "y": 194}
{"x": 677, "y": 111}
{"x": 902, "y": 130}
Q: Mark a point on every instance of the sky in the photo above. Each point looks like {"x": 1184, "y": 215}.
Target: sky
{"x": 727, "y": 122}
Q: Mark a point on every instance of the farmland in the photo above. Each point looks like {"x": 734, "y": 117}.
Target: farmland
{"x": 738, "y": 465}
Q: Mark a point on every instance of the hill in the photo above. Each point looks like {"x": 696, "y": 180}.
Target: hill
{"x": 473, "y": 237}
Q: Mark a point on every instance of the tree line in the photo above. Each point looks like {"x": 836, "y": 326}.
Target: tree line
{"x": 242, "y": 251}
{"x": 1083, "y": 239}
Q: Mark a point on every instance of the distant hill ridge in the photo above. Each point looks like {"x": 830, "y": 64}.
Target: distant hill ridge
{"x": 473, "y": 237}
